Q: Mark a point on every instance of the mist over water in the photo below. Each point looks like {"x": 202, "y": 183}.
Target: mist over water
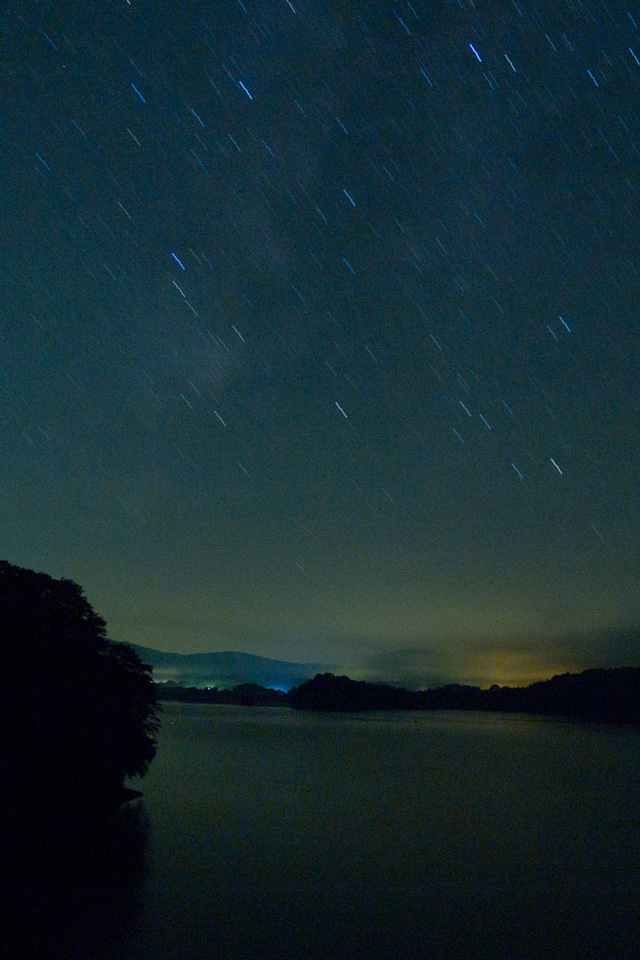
{"x": 288, "y": 835}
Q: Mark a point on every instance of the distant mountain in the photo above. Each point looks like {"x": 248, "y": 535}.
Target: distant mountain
{"x": 226, "y": 669}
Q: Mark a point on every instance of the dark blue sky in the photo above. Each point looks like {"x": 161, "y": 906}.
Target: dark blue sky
{"x": 320, "y": 326}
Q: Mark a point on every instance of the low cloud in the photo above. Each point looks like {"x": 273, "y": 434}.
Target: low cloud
{"x": 503, "y": 660}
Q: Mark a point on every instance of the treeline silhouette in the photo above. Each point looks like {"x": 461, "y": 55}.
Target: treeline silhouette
{"x": 243, "y": 695}
{"x": 611, "y": 695}
{"x": 78, "y": 713}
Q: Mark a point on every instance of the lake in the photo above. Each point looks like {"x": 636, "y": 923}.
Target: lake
{"x": 276, "y": 834}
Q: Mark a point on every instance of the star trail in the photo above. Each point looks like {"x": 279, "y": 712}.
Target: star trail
{"x": 320, "y": 326}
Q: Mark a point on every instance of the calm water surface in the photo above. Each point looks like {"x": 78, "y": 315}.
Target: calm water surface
{"x": 283, "y": 835}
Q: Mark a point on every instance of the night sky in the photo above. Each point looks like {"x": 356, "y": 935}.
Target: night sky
{"x": 320, "y": 326}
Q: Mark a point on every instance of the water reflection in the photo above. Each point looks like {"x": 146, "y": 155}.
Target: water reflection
{"x": 297, "y": 837}
{"x": 294, "y": 837}
{"x": 74, "y": 890}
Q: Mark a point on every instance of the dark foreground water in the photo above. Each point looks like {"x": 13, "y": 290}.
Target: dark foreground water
{"x": 270, "y": 834}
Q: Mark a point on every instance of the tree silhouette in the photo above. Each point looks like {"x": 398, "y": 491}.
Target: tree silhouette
{"x": 77, "y": 712}
{"x": 343, "y": 695}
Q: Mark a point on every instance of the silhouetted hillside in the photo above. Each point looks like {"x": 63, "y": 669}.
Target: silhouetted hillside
{"x": 343, "y": 695}
{"x": 611, "y": 695}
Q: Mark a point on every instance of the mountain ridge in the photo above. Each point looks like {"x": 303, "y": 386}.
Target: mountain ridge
{"x": 226, "y": 668}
